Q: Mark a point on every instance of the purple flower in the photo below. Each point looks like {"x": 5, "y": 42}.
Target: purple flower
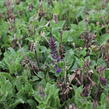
{"x": 103, "y": 81}
{"x": 58, "y": 70}
{"x": 54, "y": 52}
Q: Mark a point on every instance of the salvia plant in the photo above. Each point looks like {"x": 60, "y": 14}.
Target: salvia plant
{"x": 54, "y": 54}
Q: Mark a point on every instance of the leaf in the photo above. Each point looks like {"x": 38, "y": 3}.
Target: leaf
{"x": 103, "y": 38}
{"x": 40, "y": 74}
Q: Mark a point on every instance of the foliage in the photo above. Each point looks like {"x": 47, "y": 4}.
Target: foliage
{"x": 54, "y": 54}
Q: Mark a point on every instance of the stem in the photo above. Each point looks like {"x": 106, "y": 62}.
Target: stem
{"x": 65, "y": 74}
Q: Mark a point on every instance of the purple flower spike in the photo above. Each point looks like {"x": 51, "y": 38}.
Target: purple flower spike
{"x": 58, "y": 70}
{"x": 52, "y": 45}
{"x": 103, "y": 81}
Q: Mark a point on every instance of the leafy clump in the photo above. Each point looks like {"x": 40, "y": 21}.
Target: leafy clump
{"x": 54, "y": 54}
